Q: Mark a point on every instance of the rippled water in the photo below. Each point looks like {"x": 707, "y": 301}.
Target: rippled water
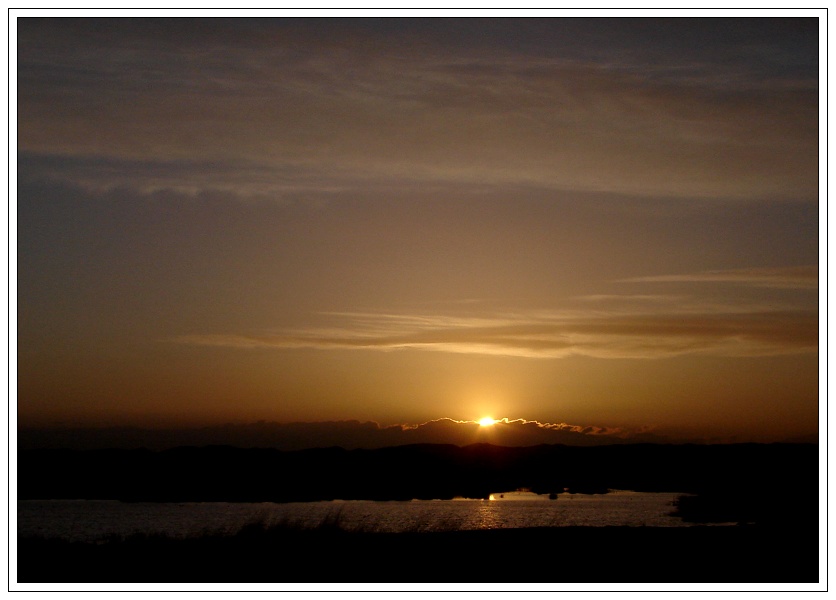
{"x": 96, "y": 519}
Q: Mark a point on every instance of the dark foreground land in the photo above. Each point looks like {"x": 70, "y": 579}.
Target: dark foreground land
{"x": 424, "y": 471}
{"x": 769, "y": 490}
{"x": 701, "y": 554}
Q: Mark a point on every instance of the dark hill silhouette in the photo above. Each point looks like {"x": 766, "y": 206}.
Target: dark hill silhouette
{"x": 736, "y": 482}
{"x": 345, "y": 434}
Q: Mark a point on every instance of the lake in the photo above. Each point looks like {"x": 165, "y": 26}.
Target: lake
{"x": 90, "y": 520}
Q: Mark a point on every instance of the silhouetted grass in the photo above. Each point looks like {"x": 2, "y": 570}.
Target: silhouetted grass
{"x": 333, "y": 551}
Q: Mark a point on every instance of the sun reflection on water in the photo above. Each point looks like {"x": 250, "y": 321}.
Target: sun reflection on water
{"x": 488, "y": 515}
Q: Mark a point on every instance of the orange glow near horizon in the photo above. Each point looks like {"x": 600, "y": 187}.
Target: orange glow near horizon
{"x": 487, "y": 422}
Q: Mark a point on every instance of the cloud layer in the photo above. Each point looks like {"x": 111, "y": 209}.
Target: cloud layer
{"x": 269, "y": 104}
{"x": 638, "y": 326}
{"x": 803, "y": 277}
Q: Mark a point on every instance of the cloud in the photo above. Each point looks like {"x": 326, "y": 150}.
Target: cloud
{"x": 428, "y": 103}
{"x": 543, "y": 334}
{"x": 801, "y": 277}
{"x": 102, "y": 174}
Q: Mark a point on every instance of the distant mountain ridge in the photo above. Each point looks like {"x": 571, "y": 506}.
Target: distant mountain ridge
{"x": 350, "y": 434}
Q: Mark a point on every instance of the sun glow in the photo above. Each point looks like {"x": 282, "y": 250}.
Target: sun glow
{"x": 487, "y": 422}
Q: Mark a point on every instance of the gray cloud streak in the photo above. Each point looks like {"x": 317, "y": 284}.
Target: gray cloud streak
{"x": 384, "y": 105}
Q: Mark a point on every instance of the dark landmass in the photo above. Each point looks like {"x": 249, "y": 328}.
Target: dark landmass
{"x": 324, "y": 434}
{"x": 697, "y": 554}
{"x": 770, "y": 490}
{"x": 746, "y": 483}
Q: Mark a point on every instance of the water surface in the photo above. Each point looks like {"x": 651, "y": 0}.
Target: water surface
{"x": 97, "y": 519}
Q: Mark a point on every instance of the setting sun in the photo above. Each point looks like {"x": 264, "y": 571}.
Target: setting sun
{"x": 487, "y": 422}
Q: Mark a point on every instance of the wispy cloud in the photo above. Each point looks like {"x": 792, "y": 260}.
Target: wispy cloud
{"x": 804, "y": 277}
{"x": 544, "y": 334}
{"x": 350, "y": 99}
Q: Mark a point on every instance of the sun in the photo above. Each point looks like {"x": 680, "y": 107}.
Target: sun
{"x": 487, "y": 422}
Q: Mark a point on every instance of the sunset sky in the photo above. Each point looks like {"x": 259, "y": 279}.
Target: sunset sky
{"x": 600, "y": 224}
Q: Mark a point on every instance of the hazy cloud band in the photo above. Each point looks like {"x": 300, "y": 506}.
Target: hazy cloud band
{"x": 554, "y": 336}
{"x": 803, "y": 277}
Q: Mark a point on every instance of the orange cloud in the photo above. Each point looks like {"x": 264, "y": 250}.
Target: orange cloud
{"x": 554, "y": 335}
{"x": 802, "y": 277}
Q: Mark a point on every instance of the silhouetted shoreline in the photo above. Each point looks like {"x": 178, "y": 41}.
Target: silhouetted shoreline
{"x": 746, "y": 483}
{"x": 423, "y": 471}
{"x": 770, "y": 490}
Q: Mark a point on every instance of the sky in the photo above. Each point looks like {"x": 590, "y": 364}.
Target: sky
{"x": 604, "y": 226}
